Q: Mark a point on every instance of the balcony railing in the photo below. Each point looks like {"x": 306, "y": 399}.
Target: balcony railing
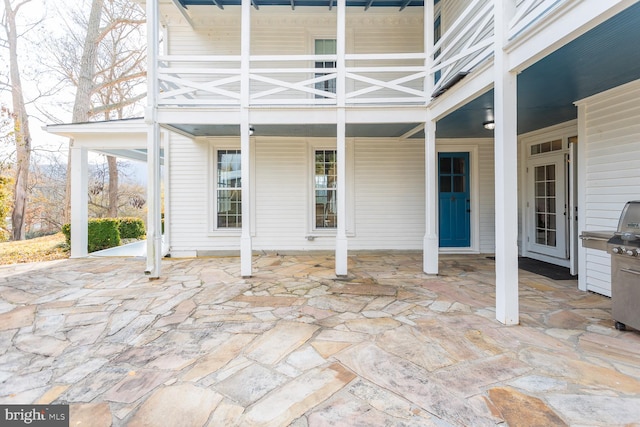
{"x": 376, "y": 79}
{"x": 292, "y": 80}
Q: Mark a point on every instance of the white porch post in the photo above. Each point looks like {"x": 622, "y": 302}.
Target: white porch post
{"x": 166, "y": 239}
{"x": 154, "y": 230}
{"x": 341, "y": 235}
{"x": 79, "y": 200}
{"x": 430, "y": 243}
{"x": 245, "y": 147}
{"x": 506, "y": 175}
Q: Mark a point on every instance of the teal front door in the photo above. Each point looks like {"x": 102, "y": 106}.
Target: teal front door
{"x": 454, "y": 200}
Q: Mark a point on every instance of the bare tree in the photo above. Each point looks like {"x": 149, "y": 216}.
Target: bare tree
{"x": 22, "y": 135}
{"x": 111, "y": 70}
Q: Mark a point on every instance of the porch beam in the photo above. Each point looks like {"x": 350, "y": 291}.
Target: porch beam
{"x": 79, "y": 202}
{"x": 341, "y": 232}
{"x": 430, "y": 244}
{"x": 506, "y": 172}
{"x": 154, "y": 230}
{"x": 246, "y": 248}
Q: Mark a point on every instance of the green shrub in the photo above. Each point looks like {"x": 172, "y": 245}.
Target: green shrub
{"x": 66, "y": 230}
{"x": 103, "y": 233}
{"x": 131, "y": 228}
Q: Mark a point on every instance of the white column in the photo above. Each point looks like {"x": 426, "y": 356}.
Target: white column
{"x": 430, "y": 242}
{"x": 506, "y": 172}
{"x": 166, "y": 179}
{"x": 79, "y": 202}
{"x": 245, "y": 142}
{"x": 154, "y": 230}
{"x": 341, "y": 232}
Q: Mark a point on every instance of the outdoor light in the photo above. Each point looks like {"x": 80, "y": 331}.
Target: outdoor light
{"x": 251, "y": 130}
{"x": 490, "y": 125}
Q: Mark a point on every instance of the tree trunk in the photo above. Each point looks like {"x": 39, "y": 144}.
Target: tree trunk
{"x": 113, "y": 187}
{"x": 82, "y": 103}
{"x": 21, "y": 126}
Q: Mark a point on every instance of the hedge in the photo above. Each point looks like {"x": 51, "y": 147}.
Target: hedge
{"x": 131, "y": 228}
{"x": 106, "y": 233}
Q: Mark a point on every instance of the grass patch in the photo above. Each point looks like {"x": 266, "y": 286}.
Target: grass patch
{"x": 45, "y": 248}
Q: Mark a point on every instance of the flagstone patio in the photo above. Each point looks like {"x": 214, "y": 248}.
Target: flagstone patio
{"x": 294, "y": 345}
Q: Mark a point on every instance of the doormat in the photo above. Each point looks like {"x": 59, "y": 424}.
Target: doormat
{"x": 551, "y": 271}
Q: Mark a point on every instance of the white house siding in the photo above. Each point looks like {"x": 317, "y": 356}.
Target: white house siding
{"x": 609, "y": 156}
{"x": 281, "y": 31}
{"x": 389, "y": 194}
{"x": 486, "y": 176}
{"x": 191, "y": 201}
{"x": 282, "y": 188}
{"x": 386, "y": 195}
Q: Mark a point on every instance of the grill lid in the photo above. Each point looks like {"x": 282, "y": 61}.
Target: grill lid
{"x": 629, "y": 223}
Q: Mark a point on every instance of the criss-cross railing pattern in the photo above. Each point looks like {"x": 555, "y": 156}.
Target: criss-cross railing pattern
{"x": 215, "y": 80}
{"x": 292, "y": 80}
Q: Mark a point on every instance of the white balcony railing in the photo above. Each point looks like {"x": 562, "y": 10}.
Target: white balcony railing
{"x": 377, "y": 79}
{"x": 292, "y": 80}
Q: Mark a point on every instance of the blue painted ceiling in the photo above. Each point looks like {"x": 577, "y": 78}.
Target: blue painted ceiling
{"x": 603, "y": 58}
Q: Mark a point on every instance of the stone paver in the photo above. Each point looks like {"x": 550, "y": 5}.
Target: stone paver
{"x": 294, "y": 345}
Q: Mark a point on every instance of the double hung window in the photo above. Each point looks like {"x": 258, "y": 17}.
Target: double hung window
{"x": 228, "y": 189}
{"x": 325, "y": 186}
{"x": 325, "y": 47}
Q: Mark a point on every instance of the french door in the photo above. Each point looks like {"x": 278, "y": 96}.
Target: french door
{"x": 547, "y": 205}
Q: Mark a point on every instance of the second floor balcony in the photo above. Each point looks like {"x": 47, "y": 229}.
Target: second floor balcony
{"x": 385, "y": 61}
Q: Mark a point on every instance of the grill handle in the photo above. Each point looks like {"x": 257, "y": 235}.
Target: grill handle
{"x": 628, "y": 270}
{"x": 600, "y": 239}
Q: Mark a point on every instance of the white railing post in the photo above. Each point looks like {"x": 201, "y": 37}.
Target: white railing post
{"x": 246, "y": 249}
{"x": 506, "y": 172}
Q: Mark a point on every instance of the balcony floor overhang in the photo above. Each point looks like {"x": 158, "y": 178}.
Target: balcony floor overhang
{"x": 365, "y": 4}
{"x": 327, "y": 130}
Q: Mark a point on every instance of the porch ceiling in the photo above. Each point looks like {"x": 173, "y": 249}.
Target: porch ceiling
{"x": 601, "y": 59}
{"x": 370, "y": 130}
{"x": 400, "y": 4}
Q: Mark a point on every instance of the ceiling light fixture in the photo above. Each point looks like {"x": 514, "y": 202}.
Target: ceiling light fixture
{"x": 489, "y": 125}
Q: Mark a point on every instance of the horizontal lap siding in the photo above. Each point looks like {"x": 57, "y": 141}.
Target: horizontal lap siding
{"x": 191, "y": 202}
{"x": 282, "y": 185}
{"x": 612, "y": 157}
{"x": 486, "y": 176}
{"x": 390, "y": 194}
{"x": 188, "y": 193}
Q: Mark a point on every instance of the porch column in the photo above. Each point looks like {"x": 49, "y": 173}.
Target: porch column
{"x": 245, "y": 151}
{"x": 506, "y": 172}
{"x": 79, "y": 202}
{"x": 430, "y": 243}
{"x": 341, "y": 235}
{"x": 154, "y": 230}
{"x": 166, "y": 177}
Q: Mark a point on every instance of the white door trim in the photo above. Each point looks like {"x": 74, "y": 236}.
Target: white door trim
{"x": 475, "y": 194}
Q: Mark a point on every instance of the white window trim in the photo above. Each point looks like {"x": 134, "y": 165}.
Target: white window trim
{"x": 212, "y": 203}
{"x": 330, "y": 144}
